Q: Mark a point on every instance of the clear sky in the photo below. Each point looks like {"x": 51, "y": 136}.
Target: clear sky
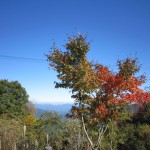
{"x": 116, "y": 29}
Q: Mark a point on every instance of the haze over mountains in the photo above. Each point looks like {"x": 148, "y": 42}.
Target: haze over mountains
{"x": 60, "y": 108}
{"x": 63, "y": 109}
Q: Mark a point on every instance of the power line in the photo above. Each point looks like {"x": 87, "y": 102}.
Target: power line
{"x": 44, "y": 61}
{"x": 22, "y": 59}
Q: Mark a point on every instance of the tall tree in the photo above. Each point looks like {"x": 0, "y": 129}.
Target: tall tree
{"x": 13, "y": 98}
{"x": 100, "y": 94}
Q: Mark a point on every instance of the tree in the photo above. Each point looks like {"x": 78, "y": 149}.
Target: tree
{"x": 13, "y": 98}
{"x": 75, "y": 138}
{"x": 140, "y": 123}
{"x": 100, "y": 94}
{"x": 52, "y": 126}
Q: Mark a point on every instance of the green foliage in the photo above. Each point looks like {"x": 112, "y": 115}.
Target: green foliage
{"x": 13, "y": 98}
{"x": 75, "y": 138}
{"x": 72, "y": 66}
{"x": 128, "y": 67}
{"x": 51, "y": 124}
{"x": 137, "y": 130}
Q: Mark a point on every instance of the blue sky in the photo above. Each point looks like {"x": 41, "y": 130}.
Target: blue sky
{"x": 116, "y": 29}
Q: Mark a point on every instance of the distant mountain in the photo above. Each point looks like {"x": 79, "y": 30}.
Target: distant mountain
{"x": 62, "y": 109}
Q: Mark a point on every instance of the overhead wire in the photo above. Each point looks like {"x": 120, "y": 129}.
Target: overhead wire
{"x": 35, "y": 60}
{"x": 22, "y": 59}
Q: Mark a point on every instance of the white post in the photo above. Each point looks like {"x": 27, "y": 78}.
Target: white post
{"x": 36, "y": 144}
{"x": 15, "y": 148}
{"x": 47, "y": 136}
{"x": 24, "y": 135}
{"x": 0, "y": 144}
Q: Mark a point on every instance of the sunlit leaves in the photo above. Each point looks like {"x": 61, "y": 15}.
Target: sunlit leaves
{"x": 74, "y": 71}
{"x": 128, "y": 67}
{"x": 100, "y": 93}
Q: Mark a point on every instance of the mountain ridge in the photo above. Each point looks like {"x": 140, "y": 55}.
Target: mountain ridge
{"x": 62, "y": 109}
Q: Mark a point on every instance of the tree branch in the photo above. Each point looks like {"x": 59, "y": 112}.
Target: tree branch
{"x": 85, "y": 131}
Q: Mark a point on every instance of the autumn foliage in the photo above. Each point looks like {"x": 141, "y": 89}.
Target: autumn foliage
{"x": 99, "y": 93}
{"x": 102, "y": 97}
{"x": 119, "y": 89}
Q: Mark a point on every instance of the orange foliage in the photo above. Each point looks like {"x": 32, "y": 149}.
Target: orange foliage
{"x": 115, "y": 90}
{"x": 29, "y": 121}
